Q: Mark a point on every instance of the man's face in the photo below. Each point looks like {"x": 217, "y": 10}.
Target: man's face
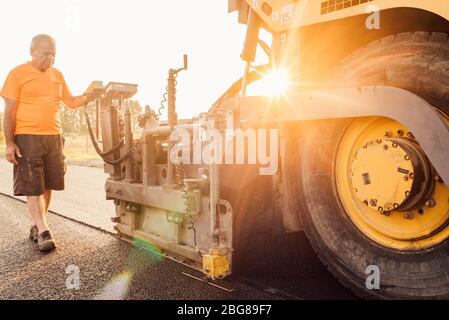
{"x": 44, "y": 55}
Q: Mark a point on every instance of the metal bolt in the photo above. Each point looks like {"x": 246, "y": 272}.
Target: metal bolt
{"x": 395, "y": 145}
{"x": 430, "y": 203}
{"x": 385, "y": 147}
{"x": 409, "y": 215}
{"x": 365, "y": 202}
{"x": 406, "y": 178}
{"x": 396, "y": 205}
{"x": 355, "y": 190}
{"x": 407, "y": 194}
{"x": 411, "y": 175}
{"x": 407, "y": 157}
{"x": 384, "y": 212}
{"x": 410, "y": 135}
{"x": 373, "y": 203}
{"x": 401, "y": 133}
{"x": 388, "y": 133}
{"x": 379, "y": 141}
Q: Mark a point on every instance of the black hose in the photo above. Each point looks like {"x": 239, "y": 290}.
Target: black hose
{"x": 100, "y": 152}
{"x": 192, "y": 227}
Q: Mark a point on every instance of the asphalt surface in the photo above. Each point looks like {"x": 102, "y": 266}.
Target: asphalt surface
{"x": 83, "y": 200}
{"x": 108, "y": 267}
{"x": 113, "y": 269}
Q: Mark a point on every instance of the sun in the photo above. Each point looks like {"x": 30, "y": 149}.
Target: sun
{"x": 274, "y": 83}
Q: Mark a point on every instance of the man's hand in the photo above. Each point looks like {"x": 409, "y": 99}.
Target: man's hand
{"x": 89, "y": 97}
{"x": 12, "y": 150}
{"x": 79, "y": 101}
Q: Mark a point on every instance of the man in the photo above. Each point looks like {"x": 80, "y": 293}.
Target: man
{"x": 34, "y": 143}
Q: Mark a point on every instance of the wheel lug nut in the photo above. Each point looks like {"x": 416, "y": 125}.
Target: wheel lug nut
{"x": 410, "y": 135}
{"x": 409, "y": 215}
{"x": 385, "y": 147}
{"x": 430, "y": 203}
{"x": 407, "y": 157}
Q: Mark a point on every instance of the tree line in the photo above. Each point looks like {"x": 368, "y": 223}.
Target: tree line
{"x": 73, "y": 121}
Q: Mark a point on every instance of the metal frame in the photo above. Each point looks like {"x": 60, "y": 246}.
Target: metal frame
{"x": 398, "y": 104}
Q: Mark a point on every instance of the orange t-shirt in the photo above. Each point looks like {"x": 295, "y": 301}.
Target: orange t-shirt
{"x": 38, "y": 95}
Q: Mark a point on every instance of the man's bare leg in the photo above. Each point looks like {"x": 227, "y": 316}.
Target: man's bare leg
{"x": 37, "y": 208}
{"x": 47, "y": 200}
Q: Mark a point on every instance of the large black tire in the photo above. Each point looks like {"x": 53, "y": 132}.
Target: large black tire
{"x": 418, "y": 62}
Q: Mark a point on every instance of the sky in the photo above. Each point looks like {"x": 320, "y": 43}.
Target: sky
{"x": 133, "y": 41}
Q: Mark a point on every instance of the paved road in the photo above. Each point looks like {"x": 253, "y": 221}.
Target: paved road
{"x": 83, "y": 200}
{"x": 288, "y": 264}
{"x": 109, "y": 268}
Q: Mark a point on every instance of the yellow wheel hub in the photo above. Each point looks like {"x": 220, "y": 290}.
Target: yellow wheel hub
{"x": 371, "y": 166}
{"x": 388, "y": 188}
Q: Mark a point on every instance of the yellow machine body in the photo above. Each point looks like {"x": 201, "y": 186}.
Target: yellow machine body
{"x": 281, "y": 15}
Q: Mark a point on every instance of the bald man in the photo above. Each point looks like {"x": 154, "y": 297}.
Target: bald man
{"x": 34, "y": 143}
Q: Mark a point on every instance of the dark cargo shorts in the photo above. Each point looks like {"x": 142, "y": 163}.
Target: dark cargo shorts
{"x": 42, "y": 166}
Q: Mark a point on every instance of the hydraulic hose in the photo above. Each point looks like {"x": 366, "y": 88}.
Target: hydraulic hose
{"x": 101, "y": 153}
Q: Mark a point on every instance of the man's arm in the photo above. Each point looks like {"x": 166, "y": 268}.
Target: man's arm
{"x": 9, "y": 126}
{"x": 75, "y": 102}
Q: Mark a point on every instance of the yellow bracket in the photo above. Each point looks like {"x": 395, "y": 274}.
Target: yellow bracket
{"x": 216, "y": 265}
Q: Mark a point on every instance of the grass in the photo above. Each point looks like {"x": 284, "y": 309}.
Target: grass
{"x": 79, "y": 151}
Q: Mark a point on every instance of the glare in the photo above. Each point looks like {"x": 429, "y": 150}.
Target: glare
{"x": 275, "y": 83}
{"x": 117, "y": 288}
